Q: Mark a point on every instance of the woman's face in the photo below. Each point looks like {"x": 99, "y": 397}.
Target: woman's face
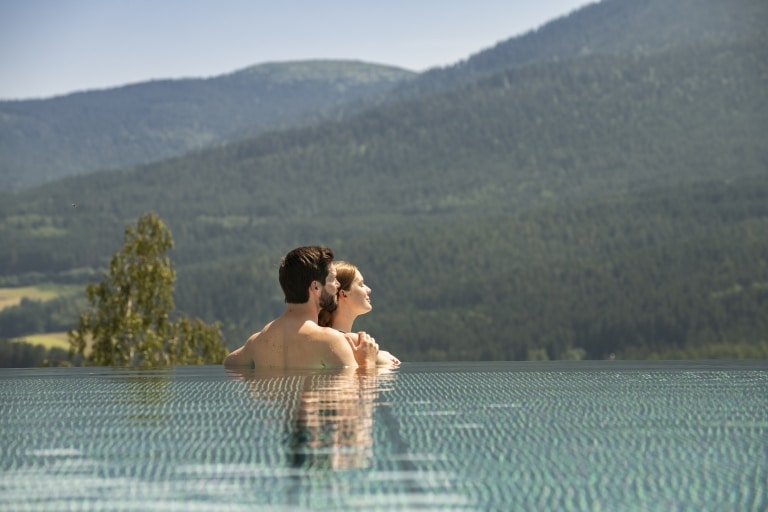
{"x": 358, "y": 296}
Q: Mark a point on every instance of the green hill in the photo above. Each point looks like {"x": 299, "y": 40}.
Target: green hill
{"x": 44, "y": 140}
{"x": 604, "y": 204}
{"x": 608, "y": 27}
{"x": 524, "y": 138}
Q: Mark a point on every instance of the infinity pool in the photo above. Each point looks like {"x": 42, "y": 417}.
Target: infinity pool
{"x": 607, "y": 436}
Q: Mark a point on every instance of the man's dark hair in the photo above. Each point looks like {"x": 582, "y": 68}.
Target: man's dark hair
{"x": 300, "y": 267}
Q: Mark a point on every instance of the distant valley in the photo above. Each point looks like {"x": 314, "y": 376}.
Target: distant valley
{"x": 596, "y": 188}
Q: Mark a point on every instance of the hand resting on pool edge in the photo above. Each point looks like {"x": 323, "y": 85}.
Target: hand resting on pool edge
{"x": 294, "y": 339}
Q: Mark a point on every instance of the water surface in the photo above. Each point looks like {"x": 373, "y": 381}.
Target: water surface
{"x": 606, "y": 435}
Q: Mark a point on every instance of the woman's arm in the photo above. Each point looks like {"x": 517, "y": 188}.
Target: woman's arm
{"x": 386, "y": 359}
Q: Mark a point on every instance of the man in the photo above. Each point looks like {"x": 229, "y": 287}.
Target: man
{"x": 295, "y": 340}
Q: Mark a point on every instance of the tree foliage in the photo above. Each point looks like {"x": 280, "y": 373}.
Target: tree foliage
{"x": 610, "y": 202}
{"x": 129, "y": 322}
{"x": 21, "y": 354}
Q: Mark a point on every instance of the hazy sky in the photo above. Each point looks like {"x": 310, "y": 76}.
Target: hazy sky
{"x": 52, "y": 47}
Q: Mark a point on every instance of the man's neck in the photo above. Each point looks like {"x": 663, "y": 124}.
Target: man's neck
{"x": 307, "y": 311}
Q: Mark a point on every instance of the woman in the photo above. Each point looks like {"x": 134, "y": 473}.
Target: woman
{"x": 353, "y": 300}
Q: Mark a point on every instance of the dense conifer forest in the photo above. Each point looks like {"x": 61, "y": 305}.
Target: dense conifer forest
{"x": 605, "y": 204}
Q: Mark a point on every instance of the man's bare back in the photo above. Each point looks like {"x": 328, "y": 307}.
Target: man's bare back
{"x": 295, "y": 343}
{"x": 295, "y": 340}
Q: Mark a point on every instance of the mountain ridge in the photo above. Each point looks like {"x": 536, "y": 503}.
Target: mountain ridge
{"x": 42, "y": 140}
{"x": 154, "y": 125}
{"x": 535, "y": 134}
{"x": 606, "y": 27}
{"x": 575, "y": 208}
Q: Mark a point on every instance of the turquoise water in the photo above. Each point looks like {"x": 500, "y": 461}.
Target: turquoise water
{"x": 606, "y": 435}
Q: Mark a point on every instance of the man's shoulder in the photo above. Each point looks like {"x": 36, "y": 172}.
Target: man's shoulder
{"x": 323, "y": 333}
{"x": 264, "y": 333}
{"x": 329, "y": 346}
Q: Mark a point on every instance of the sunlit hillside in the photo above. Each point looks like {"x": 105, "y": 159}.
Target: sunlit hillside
{"x": 587, "y": 205}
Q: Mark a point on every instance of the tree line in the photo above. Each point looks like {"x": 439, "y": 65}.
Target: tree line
{"x": 675, "y": 272}
{"x": 581, "y": 209}
{"x": 526, "y": 137}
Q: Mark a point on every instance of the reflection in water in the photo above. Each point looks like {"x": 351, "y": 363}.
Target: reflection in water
{"x": 329, "y": 413}
{"x": 145, "y": 396}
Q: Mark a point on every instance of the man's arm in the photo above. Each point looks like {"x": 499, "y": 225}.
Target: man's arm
{"x": 239, "y": 357}
{"x": 348, "y": 350}
{"x": 236, "y": 359}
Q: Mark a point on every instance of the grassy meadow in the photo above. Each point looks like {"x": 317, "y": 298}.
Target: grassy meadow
{"x": 10, "y": 297}
{"x": 13, "y": 296}
{"x": 48, "y": 340}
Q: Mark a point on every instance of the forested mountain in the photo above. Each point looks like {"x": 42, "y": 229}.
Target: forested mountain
{"x": 608, "y": 27}
{"x": 573, "y": 208}
{"x": 43, "y": 140}
{"x": 525, "y": 137}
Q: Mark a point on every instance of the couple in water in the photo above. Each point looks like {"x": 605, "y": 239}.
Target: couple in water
{"x": 315, "y": 331}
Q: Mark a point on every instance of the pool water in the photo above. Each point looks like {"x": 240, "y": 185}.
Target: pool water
{"x": 607, "y": 435}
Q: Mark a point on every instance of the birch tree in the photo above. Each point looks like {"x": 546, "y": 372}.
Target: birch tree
{"x": 130, "y": 319}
